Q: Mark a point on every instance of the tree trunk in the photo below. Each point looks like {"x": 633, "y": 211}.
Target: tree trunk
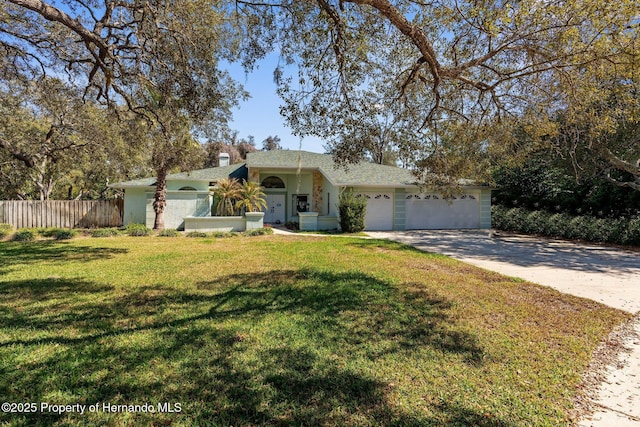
{"x": 160, "y": 201}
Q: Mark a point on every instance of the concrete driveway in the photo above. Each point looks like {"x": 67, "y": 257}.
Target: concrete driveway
{"x": 607, "y": 275}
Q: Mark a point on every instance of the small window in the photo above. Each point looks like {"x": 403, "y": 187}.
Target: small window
{"x": 272, "y": 182}
{"x": 187, "y": 189}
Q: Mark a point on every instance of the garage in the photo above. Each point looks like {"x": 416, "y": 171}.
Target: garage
{"x": 432, "y": 211}
{"x": 379, "y": 211}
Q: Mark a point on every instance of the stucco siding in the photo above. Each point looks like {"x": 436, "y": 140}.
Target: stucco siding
{"x": 330, "y": 196}
{"x": 485, "y": 208}
{"x": 399, "y": 208}
{"x": 178, "y": 184}
{"x": 180, "y": 204}
{"x": 135, "y": 200}
{"x": 295, "y": 184}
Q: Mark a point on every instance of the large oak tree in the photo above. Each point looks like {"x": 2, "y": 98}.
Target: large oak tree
{"x": 459, "y": 75}
{"x": 54, "y": 145}
{"x": 161, "y": 59}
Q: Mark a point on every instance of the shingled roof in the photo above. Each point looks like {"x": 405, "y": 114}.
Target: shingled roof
{"x": 238, "y": 171}
{"x": 363, "y": 174}
{"x": 359, "y": 174}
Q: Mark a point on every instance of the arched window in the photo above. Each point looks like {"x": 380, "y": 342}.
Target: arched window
{"x": 272, "y": 182}
{"x": 187, "y": 189}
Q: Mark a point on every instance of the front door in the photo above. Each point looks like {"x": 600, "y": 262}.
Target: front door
{"x": 275, "y": 213}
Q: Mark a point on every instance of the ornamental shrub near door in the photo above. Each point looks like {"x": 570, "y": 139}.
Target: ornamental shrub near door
{"x": 352, "y": 210}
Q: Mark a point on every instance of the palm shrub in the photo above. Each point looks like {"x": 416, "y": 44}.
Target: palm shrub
{"x": 226, "y": 193}
{"x": 252, "y": 198}
{"x": 352, "y": 212}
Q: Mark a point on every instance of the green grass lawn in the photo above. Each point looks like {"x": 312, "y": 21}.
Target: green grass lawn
{"x": 281, "y": 330}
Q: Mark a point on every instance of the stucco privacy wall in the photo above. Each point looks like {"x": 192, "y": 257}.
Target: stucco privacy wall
{"x": 180, "y": 204}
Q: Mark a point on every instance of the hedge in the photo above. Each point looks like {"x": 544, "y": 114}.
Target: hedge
{"x": 622, "y": 231}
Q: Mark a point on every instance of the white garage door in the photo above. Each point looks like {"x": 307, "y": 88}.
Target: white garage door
{"x": 379, "y": 211}
{"x": 432, "y": 211}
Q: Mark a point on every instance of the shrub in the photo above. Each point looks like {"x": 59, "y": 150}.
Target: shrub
{"x": 137, "y": 230}
{"x": 632, "y": 234}
{"x": 223, "y": 234}
{"x": 169, "y": 233}
{"x": 352, "y": 212}
{"x": 65, "y": 234}
{"x": 555, "y": 226}
{"x": 579, "y": 227}
{"x": 48, "y": 232}
{"x": 105, "y": 232}
{"x": 624, "y": 231}
{"x": 534, "y": 221}
{"x": 25, "y": 235}
{"x": 196, "y": 234}
{"x": 58, "y": 233}
{"x": 5, "y": 230}
{"x": 259, "y": 231}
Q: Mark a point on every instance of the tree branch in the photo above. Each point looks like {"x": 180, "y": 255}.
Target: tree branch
{"x": 54, "y": 14}
{"x": 29, "y": 161}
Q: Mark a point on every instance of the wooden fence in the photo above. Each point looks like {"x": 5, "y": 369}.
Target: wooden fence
{"x": 62, "y": 213}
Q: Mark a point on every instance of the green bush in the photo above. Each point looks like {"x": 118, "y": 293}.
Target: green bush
{"x": 632, "y": 233}
{"x": 105, "y": 232}
{"x": 25, "y": 235}
{"x": 58, "y": 233}
{"x": 221, "y": 234}
{"x": 625, "y": 231}
{"x": 48, "y": 232}
{"x": 5, "y": 230}
{"x": 65, "y": 234}
{"x": 352, "y": 212}
{"x": 196, "y": 234}
{"x": 259, "y": 231}
{"x": 137, "y": 230}
{"x": 170, "y": 232}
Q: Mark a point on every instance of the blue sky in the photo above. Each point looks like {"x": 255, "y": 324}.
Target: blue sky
{"x": 259, "y": 116}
